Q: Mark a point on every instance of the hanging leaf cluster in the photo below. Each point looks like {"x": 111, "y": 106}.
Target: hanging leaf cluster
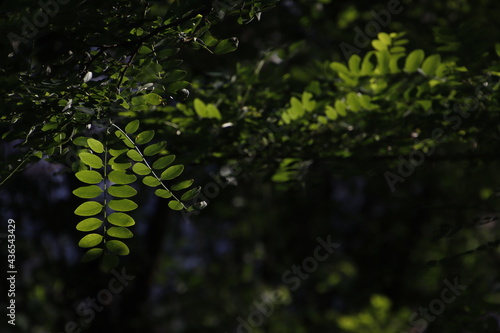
{"x": 111, "y": 176}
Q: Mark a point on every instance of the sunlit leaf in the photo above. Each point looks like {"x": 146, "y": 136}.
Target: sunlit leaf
{"x": 122, "y": 191}
{"x": 119, "y": 232}
{"x": 132, "y": 127}
{"x": 89, "y": 176}
{"x": 144, "y": 137}
{"x": 88, "y": 208}
{"x": 122, "y": 205}
{"x": 91, "y": 160}
{"x": 95, "y": 145}
{"x": 88, "y": 192}
{"x": 121, "y": 220}
{"x": 89, "y": 224}
{"x": 141, "y": 169}
{"x": 121, "y": 177}
{"x": 90, "y": 240}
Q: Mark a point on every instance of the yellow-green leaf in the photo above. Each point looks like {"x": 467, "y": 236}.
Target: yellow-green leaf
{"x": 121, "y": 177}
{"x": 117, "y": 247}
{"x": 119, "y": 232}
{"x": 89, "y": 176}
{"x": 89, "y": 224}
{"x": 88, "y": 208}
{"x": 88, "y": 192}
{"x": 91, "y": 160}
{"x": 122, "y": 205}
{"x": 121, "y": 219}
{"x": 95, "y": 145}
{"x": 90, "y": 240}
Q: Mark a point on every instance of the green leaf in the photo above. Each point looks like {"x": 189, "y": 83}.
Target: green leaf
{"x": 182, "y": 185}
{"x": 213, "y": 112}
{"x": 307, "y": 103}
{"x": 119, "y": 163}
{"x": 91, "y": 160}
{"x": 88, "y": 208}
{"x": 141, "y": 169}
{"x": 191, "y": 194}
{"x": 172, "y": 172}
{"x": 200, "y": 108}
{"x": 330, "y": 112}
{"x": 88, "y": 192}
{"x": 117, "y": 247}
{"x": 95, "y": 145}
{"x": 121, "y": 219}
{"x": 118, "y": 152}
{"x": 119, "y": 232}
{"x": 80, "y": 141}
{"x": 132, "y": 127}
{"x": 90, "y": 240}
{"x": 144, "y": 137}
{"x": 353, "y": 102}
{"x": 339, "y": 67}
{"x": 155, "y": 148}
{"x": 385, "y": 38}
{"x": 354, "y": 62}
{"x": 382, "y": 61}
{"x": 163, "y": 162}
{"x": 153, "y": 99}
{"x": 151, "y": 181}
{"x": 175, "y": 205}
{"x": 122, "y": 191}
{"x": 430, "y": 64}
{"x": 226, "y": 46}
{"x": 89, "y": 224}
{"x": 340, "y": 108}
{"x": 125, "y": 139}
{"x": 122, "y": 205}
{"x": 89, "y": 176}
{"x": 92, "y": 254}
{"x": 413, "y": 61}
{"x": 134, "y": 155}
{"x": 121, "y": 177}
{"x": 163, "y": 193}
{"x": 379, "y": 45}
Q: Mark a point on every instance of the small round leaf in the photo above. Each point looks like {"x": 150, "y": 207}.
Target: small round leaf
{"x": 95, "y": 145}
{"x": 122, "y": 205}
{"x": 91, "y": 160}
{"x": 122, "y": 191}
{"x": 92, "y": 254}
{"x": 121, "y": 219}
{"x": 121, "y": 177}
{"x": 89, "y": 176}
{"x": 144, "y": 137}
{"x": 163, "y": 162}
{"x": 90, "y": 240}
{"x": 172, "y": 172}
{"x": 88, "y": 208}
{"x": 132, "y": 127}
{"x": 119, "y": 232}
{"x": 88, "y": 192}
{"x": 117, "y": 247}
{"x": 89, "y": 224}
{"x": 155, "y": 148}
